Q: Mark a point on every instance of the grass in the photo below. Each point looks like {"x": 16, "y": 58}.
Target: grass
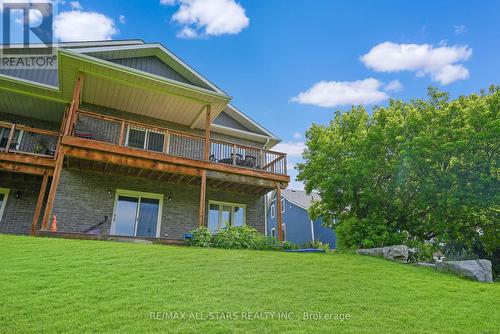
{"x": 55, "y": 285}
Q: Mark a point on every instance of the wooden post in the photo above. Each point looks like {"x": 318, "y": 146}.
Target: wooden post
{"x": 279, "y": 214}
{"x": 121, "y": 141}
{"x": 75, "y": 104}
{"x": 208, "y": 121}
{"x": 9, "y": 139}
{"x": 234, "y": 154}
{"x": 203, "y": 189}
{"x": 53, "y": 188}
{"x": 39, "y": 203}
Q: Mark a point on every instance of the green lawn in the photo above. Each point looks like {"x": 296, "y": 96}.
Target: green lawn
{"x": 55, "y": 285}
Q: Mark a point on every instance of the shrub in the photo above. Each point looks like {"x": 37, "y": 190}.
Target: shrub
{"x": 201, "y": 237}
{"x": 370, "y": 232}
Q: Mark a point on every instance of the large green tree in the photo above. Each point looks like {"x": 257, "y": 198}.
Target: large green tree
{"x": 421, "y": 169}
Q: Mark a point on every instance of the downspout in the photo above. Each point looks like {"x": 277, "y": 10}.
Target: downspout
{"x": 265, "y": 215}
{"x": 265, "y": 144}
{"x": 312, "y": 230}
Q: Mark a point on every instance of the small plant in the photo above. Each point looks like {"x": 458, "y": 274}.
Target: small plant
{"x": 201, "y": 237}
{"x": 316, "y": 244}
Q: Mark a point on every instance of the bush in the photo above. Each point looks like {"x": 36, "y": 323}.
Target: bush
{"x": 423, "y": 251}
{"x": 201, "y": 237}
{"x": 230, "y": 237}
{"x": 370, "y": 232}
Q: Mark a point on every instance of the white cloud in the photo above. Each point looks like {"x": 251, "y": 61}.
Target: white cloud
{"x": 83, "y": 26}
{"x": 459, "y": 29}
{"x": 338, "y": 93}
{"x": 187, "y": 33}
{"x": 208, "y": 17}
{"x": 297, "y": 135}
{"x": 75, "y": 5}
{"x": 291, "y": 148}
{"x": 122, "y": 19}
{"x": 440, "y": 63}
{"x": 394, "y": 86}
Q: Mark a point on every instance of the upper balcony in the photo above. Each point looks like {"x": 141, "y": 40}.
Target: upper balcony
{"x": 147, "y": 138}
{"x": 27, "y": 149}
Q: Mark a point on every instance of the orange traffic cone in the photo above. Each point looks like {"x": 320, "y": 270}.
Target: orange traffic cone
{"x": 53, "y": 227}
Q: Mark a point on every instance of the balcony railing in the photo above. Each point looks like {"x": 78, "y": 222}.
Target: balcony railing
{"x": 146, "y": 137}
{"x": 17, "y": 138}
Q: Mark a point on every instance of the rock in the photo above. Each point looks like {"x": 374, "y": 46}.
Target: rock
{"x": 479, "y": 270}
{"x": 370, "y": 251}
{"x": 426, "y": 265}
{"x": 394, "y": 253}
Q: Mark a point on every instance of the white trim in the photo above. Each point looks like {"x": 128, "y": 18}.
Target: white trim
{"x": 312, "y": 230}
{"x": 139, "y": 195}
{"x": 283, "y": 203}
{"x": 283, "y": 231}
{"x": 232, "y": 205}
{"x": 273, "y": 210}
{"x": 5, "y": 192}
{"x": 273, "y": 232}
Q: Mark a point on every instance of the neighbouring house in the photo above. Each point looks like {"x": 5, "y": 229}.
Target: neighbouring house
{"x": 125, "y": 139}
{"x": 297, "y": 227}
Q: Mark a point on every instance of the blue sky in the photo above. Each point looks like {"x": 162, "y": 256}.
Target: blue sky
{"x": 266, "y": 53}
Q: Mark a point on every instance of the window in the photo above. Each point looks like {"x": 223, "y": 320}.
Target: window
{"x": 16, "y": 139}
{"x": 273, "y": 211}
{"x": 273, "y": 232}
{"x": 221, "y": 214}
{"x": 4, "y": 193}
{"x": 283, "y": 231}
{"x": 282, "y": 205}
{"x": 145, "y": 139}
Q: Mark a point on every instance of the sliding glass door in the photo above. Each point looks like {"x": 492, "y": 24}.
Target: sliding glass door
{"x": 137, "y": 214}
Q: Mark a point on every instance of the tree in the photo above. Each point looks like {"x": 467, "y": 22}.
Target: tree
{"x": 421, "y": 169}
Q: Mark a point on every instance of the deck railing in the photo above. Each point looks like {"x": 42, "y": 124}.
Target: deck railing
{"x": 22, "y": 139}
{"x": 146, "y": 137}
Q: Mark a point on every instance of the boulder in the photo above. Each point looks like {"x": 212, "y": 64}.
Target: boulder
{"x": 426, "y": 265}
{"x": 479, "y": 270}
{"x": 370, "y": 251}
{"x": 397, "y": 253}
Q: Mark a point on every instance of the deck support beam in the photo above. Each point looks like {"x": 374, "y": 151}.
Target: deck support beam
{"x": 53, "y": 188}
{"x": 208, "y": 121}
{"x": 203, "y": 190}
{"x": 39, "y": 203}
{"x": 279, "y": 214}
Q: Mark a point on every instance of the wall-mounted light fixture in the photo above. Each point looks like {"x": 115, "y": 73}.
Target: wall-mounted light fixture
{"x": 18, "y": 194}
{"x": 109, "y": 192}
{"x": 169, "y": 198}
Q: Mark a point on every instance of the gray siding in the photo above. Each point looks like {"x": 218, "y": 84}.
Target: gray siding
{"x": 46, "y": 76}
{"x": 226, "y": 120}
{"x": 153, "y": 65}
{"x": 82, "y": 200}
